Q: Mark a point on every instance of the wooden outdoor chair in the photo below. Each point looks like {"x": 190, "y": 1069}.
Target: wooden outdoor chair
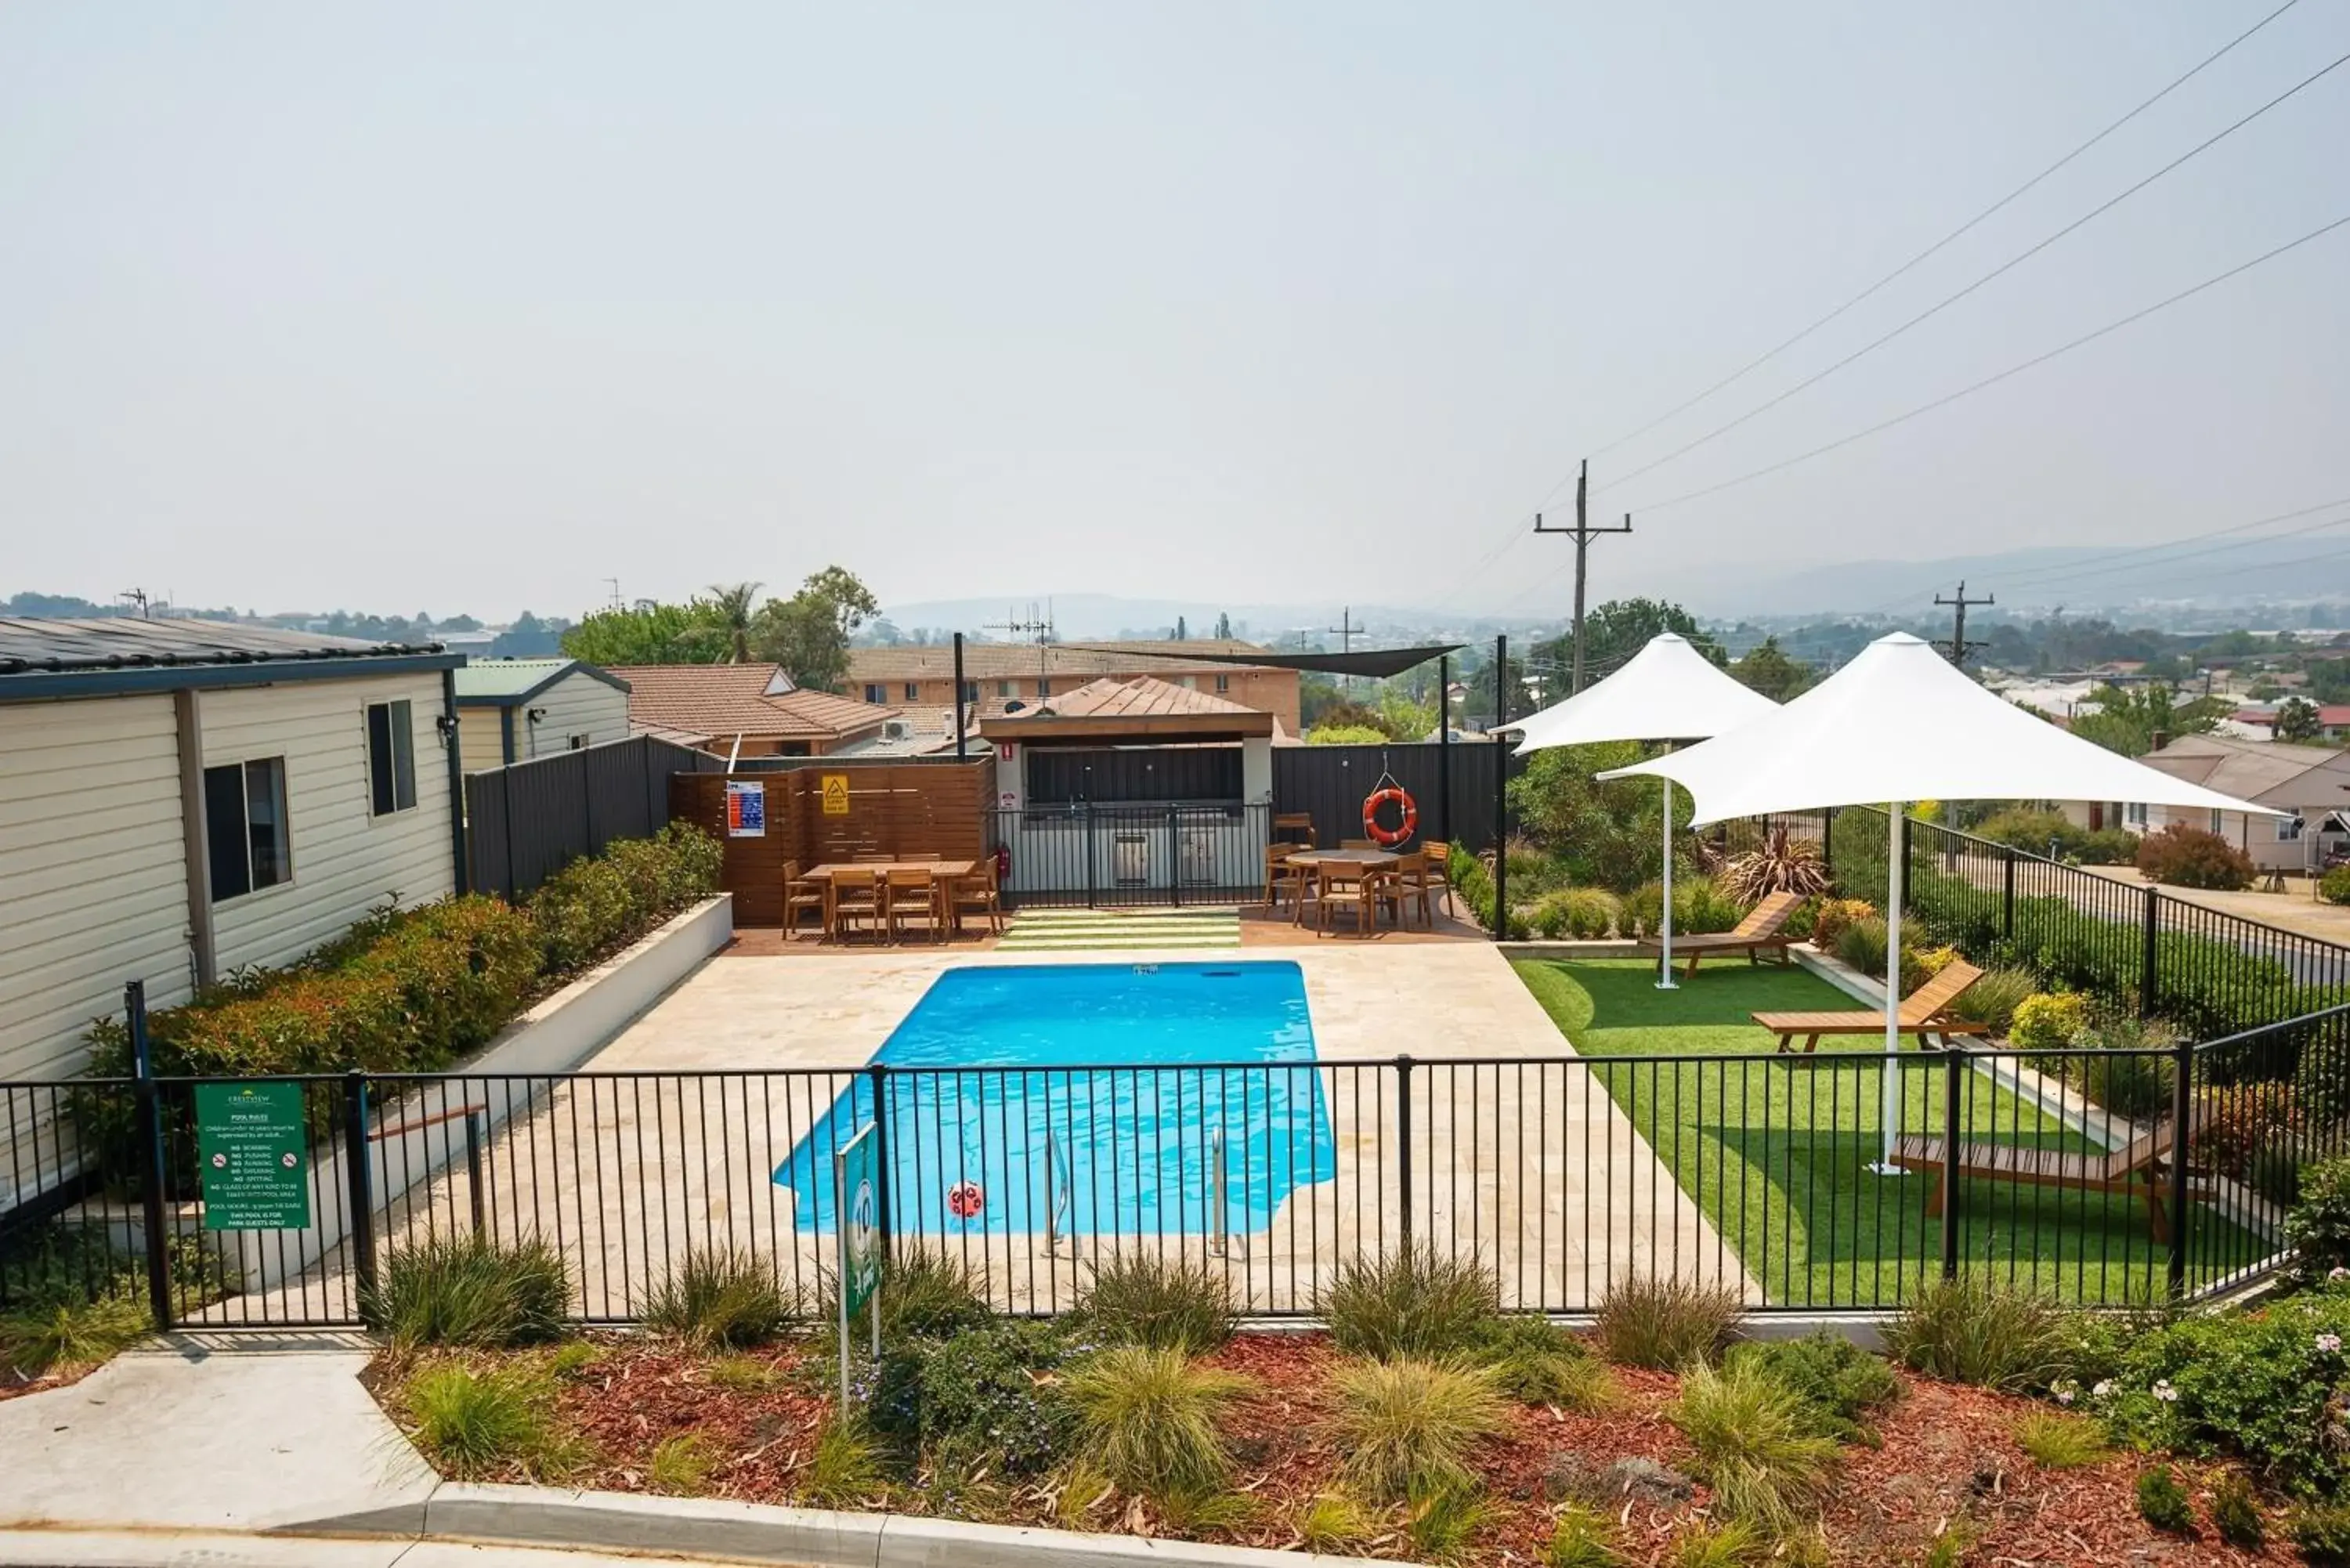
{"x": 872, "y": 860}
{"x": 1297, "y": 826}
{"x": 1925, "y": 1012}
{"x": 1281, "y": 877}
{"x": 1338, "y": 887}
{"x": 909, "y": 891}
{"x": 852, "y": 894}
{"x": 801, "y": 896}
{"x": 1762, "y": 931}
{"x": 978, "y": 892}
{"x": 1439, "y": 855}
{"x": 2142, "y": 1166}
{"x": 1410, "y": 883}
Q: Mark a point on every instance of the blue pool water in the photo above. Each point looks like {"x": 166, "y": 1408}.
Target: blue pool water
{"x": 1096, "y": 1091}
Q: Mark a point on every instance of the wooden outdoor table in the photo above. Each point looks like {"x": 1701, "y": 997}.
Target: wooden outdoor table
{"x": 1355, "y": 863}
{"x": 944, "y": 871}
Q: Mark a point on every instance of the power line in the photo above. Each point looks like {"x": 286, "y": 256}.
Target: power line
{"x": 1992, "y": 380}
{"x": 1938, "y": 245}
{"x": 2006, "y": 266}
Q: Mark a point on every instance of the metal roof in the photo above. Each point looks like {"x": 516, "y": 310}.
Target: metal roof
{"x": 109, "y": 655}
{"x": 1377, "y": 663}
{"x": 1026, "y": 660}
{"x": 504, "y": 682}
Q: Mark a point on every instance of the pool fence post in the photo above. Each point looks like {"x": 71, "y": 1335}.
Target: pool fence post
{"x": 155, "y": 1178}
{"x": 1501, "y": 790}
{"x": 879, "y": 1073}
{"x": 1403, "y": 1141}
{"x": 1952, "y": 1079}
{"x": 1216, "y": 1193}
{"x": 2182, "y": 1104}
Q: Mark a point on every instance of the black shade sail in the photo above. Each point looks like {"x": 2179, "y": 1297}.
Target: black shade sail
{"x": 1377, "y": 663}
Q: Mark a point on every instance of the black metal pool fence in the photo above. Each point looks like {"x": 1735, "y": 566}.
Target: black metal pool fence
{"x": 1562, "y": 1175}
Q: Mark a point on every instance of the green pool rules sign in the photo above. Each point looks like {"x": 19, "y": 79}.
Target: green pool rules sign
{"x": 255, "y": 1156}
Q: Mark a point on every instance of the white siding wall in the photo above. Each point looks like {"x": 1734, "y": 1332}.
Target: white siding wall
{"x": 481, "y": 743}
{"x": 575, "y": 705}
{"x": 93, "y": 877}
{"x": 346, "y": 861}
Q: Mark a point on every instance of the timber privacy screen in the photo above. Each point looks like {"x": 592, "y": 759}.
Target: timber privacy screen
{"x": 1747, "y": 1171}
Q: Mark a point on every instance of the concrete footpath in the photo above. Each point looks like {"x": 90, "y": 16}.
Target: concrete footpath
{"x": 226, "y": 1450}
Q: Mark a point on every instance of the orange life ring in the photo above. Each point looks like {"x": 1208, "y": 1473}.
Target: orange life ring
{"x": 1384, "y": 837}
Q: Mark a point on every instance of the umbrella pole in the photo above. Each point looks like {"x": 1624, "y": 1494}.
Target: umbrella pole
{"x": 1665, "y": 966}
{"x": 1890, "y": 1113}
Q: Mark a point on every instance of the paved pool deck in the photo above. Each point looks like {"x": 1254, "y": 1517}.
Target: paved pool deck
{"x": 1515, "y": 1150}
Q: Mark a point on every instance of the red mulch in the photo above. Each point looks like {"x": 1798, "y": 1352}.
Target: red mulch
{"x": 1946, "y": 1461}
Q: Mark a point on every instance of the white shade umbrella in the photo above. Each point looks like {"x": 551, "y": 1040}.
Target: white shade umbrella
{"x": 1666, "y": 691}
{"x": 1900, "y": 724}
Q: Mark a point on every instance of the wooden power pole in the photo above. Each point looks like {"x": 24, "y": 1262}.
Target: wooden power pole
{"x": 1583, "y": 533}
{"x": 1960, "y": 645}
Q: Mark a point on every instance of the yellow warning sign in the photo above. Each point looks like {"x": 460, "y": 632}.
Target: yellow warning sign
{"x": 835, "y": 794}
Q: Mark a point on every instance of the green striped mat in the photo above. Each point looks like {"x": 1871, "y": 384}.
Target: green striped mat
{"x": 1081, "y": 930}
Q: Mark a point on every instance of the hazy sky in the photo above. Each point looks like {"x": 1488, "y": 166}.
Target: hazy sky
{"x": 473, "y": 307}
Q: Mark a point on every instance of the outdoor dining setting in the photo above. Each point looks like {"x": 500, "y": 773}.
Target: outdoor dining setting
{"x": 1359, "y": 880}
{"x": 887, "y": 898}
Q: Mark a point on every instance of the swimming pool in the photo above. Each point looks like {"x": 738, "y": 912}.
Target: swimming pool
{"x": 1099, "y": 1094}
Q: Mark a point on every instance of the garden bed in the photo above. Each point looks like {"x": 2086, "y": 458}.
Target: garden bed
{"x": 1945, "y": 1465}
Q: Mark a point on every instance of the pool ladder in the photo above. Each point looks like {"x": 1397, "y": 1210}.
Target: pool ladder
{"x": 1057, "y": 1202}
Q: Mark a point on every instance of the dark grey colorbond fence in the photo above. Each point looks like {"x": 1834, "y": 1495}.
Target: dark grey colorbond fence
{"x": 1329, "y": 783}
{"x": 526, "y": 822}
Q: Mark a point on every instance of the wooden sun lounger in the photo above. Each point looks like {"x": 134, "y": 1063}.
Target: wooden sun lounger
{"x": 2141, "y": 1166}
{"x": 1762, "y": 931}
{"x": 1925, "y": 1012}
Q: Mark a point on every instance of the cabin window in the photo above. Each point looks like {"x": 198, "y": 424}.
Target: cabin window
{"x": 875, "y": 693}
{"x": 1004, "y": 689}
{"x": 1224, "y": 683}
{"x": 245, "y": 826}
{"x": 1043, "y": 690}
{"x": 913, "y": 691}
{"x": 2288, "y": 829}
{"x": 392, "y": 758}
{"x": 579, "y": 742}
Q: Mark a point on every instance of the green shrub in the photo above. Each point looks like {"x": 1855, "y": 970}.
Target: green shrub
{"x": 468, "y": 1291}
{"x": 2334, "y": 885}
{"x": 2048, "y": 1021}
{"x": 1837, "y": 1381}
{"x": 681, "y": 1465}
{"x": 1831, "y": 916}
{"x": 1664, "y": 1322}
{"x": 1536, "y": 1362}
{"x": 1991, "y": 1000}
{"x": 928, "y": 1293}
{"x": 2108, "y": 846}
{"x": 2236, "y": 1513}
{"x": 1412, "y": 1302}
{"x": 2318, "y": 1228}
{"x": 1700, "y": 905}
{"x": 2059, "y": 1442}
{"x": 1861, "y": 945}
{"x": 844, "y": 1468}
{"x": 719, "y": 1299}
{"x": 1151, "y": 1418}
{"x": 993, "y": 1393}
{"x": 2163, "y": 1502}
{"x": 1733, "y": 1545}
{"x": 1644, "y": 909}
{"x": 1751, "y": 1440}
{"x": 1439, "y": 1526}
{"x": 2274, "y": 1170}
{"x": 2321, "y": 1534}
{"x": 1332, "y": 1523}
{"x": 2132, "y": 1074}
{"x": 1582, "y": 1537}
{"x": 598, "y": 904}
{"x": 473, "y": 1424}
{"x": 2033, "y": 832}
{"x": 1168, "y": 1304}
{"x": 1584, "y": 914}
{"x": 1407, "y": 1426}
{"x": 1978, "y": 1331}
{"x": 66, "y": 1337}
{"x": 2186, "y": 857}
{"x": 1473, "y": 882}
{"x": 1548, "y": 920}
{"x": 2250, "y": 1386}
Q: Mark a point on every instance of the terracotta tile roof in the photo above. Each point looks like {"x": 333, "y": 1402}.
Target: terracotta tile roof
{"x": 722, "y": 701}
{"x": 1018, "y": 660}
{"x": 1142, "y": 696}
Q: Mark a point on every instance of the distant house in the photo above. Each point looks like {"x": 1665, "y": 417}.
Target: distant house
{"x": 999, "y": 674}
{"x": 183, "y": 798}
{"x": 745, "y": 709}
{"x": 2313, "y": 782}
{"x": 512, "y": 710}
{"x": 2332, "y": 719}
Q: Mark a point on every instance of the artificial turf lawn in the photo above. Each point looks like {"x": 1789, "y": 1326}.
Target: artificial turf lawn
{"x": 1774, "y": 1150}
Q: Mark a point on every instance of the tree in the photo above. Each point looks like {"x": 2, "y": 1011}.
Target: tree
{"x": 649, "y": 634}
{"x": 1180, "y": 634}
{"x": 1606, "y": 833}
{"x": 2127, "y": 718}
{"x": 732, "y": 604}
{"x": 809, "y": 633}
{"x": 1224, "y": 627}
{"x": 1620, "y": 629}
{"x": 2296, "y": 720}
{"x": 1772, "y": 672}
{"x": 527, "y": 637}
